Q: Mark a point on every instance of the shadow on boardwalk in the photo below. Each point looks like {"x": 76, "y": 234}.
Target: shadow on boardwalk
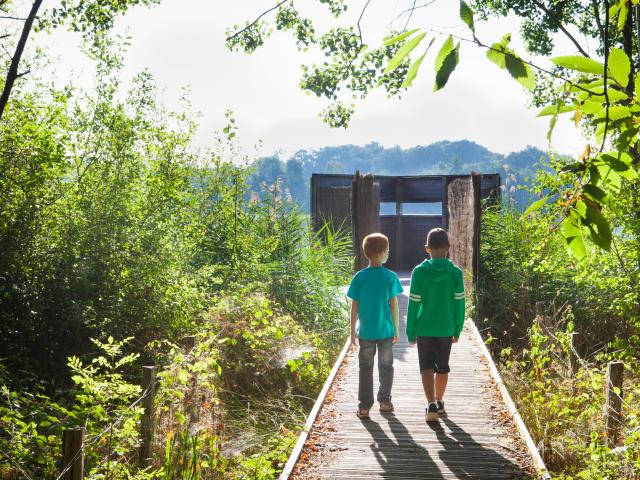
{"x": 392, "y": 454}
{"x": 458, "y": 453}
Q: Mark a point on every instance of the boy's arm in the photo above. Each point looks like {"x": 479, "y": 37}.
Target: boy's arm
{"x": 458, "y": 305}
{"x": 395, "y": 315}
{"x": 354, "y": 319}
{"x": 415, "y": 299}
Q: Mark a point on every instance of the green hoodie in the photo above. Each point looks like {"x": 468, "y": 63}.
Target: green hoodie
{"x": 436, "y": 300}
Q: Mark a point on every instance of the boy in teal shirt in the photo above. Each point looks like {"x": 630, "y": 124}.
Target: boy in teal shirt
{"x": 374, "y": 322}
{"x": 435, "y": 317}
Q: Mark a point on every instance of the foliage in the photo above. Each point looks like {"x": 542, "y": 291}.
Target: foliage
{"x": 104, "y": 403}
{"x": 564, "y": 412}
{"x": 524, "y": 260}
{"x": 113, "y": 227}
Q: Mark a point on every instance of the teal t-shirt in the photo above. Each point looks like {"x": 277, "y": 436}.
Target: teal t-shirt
{"x": 372, "y": 288}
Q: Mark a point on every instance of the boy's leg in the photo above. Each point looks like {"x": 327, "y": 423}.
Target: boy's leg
{"x": 441, "y": 384}
{"x": 426, "y": 357}
{"x": 443, "y": 352}
{"x": 385, "y": 369}
{"x": 365, "y": 361}
{"x": 427, "y": 384}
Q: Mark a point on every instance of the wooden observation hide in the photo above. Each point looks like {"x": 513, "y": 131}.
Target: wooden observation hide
{"x": 406, "y": 207}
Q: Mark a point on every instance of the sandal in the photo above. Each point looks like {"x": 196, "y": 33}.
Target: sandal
{"x": 362, "y": 413}
{"x": 386, "y": 407}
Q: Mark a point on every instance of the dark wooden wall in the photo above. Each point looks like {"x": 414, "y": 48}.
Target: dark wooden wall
{"x": 407, "y": 233}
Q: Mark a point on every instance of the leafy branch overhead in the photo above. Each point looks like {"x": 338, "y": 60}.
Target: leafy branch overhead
{"x": 602, "y": 95}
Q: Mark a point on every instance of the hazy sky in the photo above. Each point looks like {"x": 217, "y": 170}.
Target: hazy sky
{"x": 182, "y": 43}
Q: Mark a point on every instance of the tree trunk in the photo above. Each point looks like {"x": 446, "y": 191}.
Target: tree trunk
{"x": 12, "y": 74}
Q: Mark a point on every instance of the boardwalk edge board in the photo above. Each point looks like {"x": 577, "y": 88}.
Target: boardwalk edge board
{"x": 513, "y": 411}
{"x": 297, "y": 450}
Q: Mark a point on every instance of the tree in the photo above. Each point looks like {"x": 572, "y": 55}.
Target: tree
{"x": 296, "y": 183}
{"x": 93, "y": 18}
{"x": 602, "y": 93}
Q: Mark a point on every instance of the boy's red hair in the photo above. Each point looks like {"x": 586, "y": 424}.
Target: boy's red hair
{"x": 374, "y": 245}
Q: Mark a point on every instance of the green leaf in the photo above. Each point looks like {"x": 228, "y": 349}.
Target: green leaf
{"x": 413, "y": 71}
{"x": 399, "y": 38}
{"x": 592, "y": 108}
{"x": 519, "y": 70}
{"x": 504, "y": 57}
{"x": 598, "y": 225}
{"x": 405, "y": 50}
{"x": 617, "y": 112}
{"x": 594, "y": 192}
{"x": 580, "y": 64}
{"x": 552, "y": 126}
{"x": 466, "y": 14}
{"x": 556, "y": 109}
{"x": 445, "y": 63}
{"x": 637, "y": 88}
{"x": 537, "y": 205}
{"x": 496, "y": 51}
{"x": 619, "y": 66}
{"x": 572, "y": 234}
{"x": 598, "y": 94}
{"x": 621, "y": 163}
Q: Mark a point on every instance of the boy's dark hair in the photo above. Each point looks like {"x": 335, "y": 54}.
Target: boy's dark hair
{"x": 374, "y": 244}
{"x": 437, "y": 238}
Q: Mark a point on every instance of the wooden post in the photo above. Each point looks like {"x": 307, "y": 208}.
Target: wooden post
{"x": 574, "y": 359}
{"x": 476, "y": 185}
{"x": 365, "y": 213}
{"x": 399, "y": 253}
{"x": 540, "y": 315}
{"x": 189, "y": 343}
{"x": 148, "y": 418}
{"x": 613, "y": 407}
{"x": 72, "y": 454}
{"x": 445, "y": 202}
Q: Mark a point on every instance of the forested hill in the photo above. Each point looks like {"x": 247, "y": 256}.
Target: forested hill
{"x": 445, "y": 157}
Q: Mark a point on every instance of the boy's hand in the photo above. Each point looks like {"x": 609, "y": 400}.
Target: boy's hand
{"x": 394, "y": 340}
{"x": 354, "y": 340}
{"x": 413, "y": 344}
{"x": 454, "y": 340}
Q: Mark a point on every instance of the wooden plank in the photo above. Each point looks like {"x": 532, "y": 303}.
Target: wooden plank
{"x": 515, "y": 416}
{"x": 317, "y": 406}
{"x": 471, "y": 442}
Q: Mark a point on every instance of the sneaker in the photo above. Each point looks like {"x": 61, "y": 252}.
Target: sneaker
{"x": 440, "y": 405}
{"x": 432, "y": 413}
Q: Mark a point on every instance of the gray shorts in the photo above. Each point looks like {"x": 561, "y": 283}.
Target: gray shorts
{"x": 433, "y": 353}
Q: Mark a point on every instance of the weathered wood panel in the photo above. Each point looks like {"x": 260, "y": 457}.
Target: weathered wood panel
{"x": 404, "y": 232}
{"x": 333, "y": 206}
{"x": 463, "y": 205}
{"x": 365, "y": 214}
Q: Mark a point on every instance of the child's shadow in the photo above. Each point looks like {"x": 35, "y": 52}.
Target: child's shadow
{"x": 401, "y": 456}
{"x": 468, "y": 459}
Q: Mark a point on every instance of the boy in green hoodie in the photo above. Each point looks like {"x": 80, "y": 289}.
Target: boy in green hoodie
{"x": 435, "y": 317}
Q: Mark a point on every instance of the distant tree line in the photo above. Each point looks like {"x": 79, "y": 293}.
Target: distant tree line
{"x": 440, "y": 158}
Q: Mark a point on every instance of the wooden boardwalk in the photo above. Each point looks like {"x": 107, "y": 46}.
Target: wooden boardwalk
{"x": 476, "y": 440}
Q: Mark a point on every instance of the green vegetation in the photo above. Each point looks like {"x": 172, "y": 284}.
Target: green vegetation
{"x": 118, "y": 239}
{"x": 525, "y": 259}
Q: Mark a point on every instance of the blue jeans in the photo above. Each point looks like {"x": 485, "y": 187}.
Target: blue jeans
{"x": 385, "y": 371}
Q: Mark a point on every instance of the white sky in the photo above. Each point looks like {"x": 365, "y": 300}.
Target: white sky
{"x": 182, "y": 43}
